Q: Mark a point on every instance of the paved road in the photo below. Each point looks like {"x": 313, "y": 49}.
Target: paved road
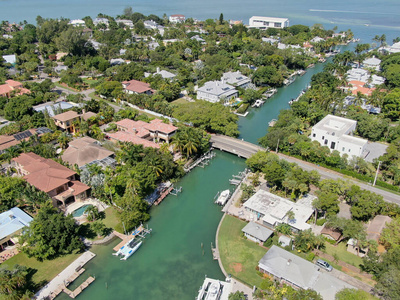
{"x": 246, "y": 149}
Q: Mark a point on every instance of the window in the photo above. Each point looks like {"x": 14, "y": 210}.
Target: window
{"x": 313, "y": 135}
{"x": 326, "y": 142}
{"x": 343, "y": 149}
{"x": 323, "y": 137}
{"x": 333, "y": 144}
{"x": 349, "y": 150}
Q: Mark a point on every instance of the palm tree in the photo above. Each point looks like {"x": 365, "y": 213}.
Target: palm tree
{"x": 24, "y": 146}
{"x": 10, "y": 153}
{"x": 63, "y": 139}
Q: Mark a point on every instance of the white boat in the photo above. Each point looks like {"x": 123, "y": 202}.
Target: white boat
{"x": 128, "y": 249}
{"x": 272, "y": 122}
{"x": 258, "y": 103}
{"x": 223, "y": 197}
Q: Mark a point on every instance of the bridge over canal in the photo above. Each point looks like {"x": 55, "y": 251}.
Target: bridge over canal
{"x": 238, "y": 147}
{"x": 246, "y": 149}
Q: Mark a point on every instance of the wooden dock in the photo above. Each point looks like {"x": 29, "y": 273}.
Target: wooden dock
{"x": 79, "y": 289}
{"x": 124, "y": 238}
{"x": 163, "y": 195}
{"x": 215, "y": 252}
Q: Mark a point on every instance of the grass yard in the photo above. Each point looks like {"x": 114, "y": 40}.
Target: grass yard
{"x": 239, "y": 256}
{"x": 89, "y": 81}
{"x": 343, "y": 254}
{"x": 65, "y": 87}
{"x": 111, "y": 219}
{"x": 180, "y": 101}
{"x": 45, "y": 270}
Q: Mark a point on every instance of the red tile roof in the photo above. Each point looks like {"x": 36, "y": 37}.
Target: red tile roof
{"x": 160, "y": 126}
{"x": 13, "y": 83}
{"x": 45, "y": 174}
{"x": 358, "y": 86}
{"x": 123, "y": 136}
{"x": 137, "y": 128}
{"x": 137, "y": 86}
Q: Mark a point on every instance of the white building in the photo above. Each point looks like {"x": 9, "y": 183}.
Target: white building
{"x": 128, "y": 23}
{"x": 214, "y": 91}
{"x": 268, "y": 22}
{"x": 335, "y": 133}
{"x": 395, "y": 48}
{"x": 77, "y": 23}
{"x": 270, "y": 40}
{"x": 273, "y": 210}
{"x": 98, "y": 21}
{"x": 372, "y": 63}
{"x": 236, "y": 79}
{"x": 177, "y": 18}
{"x": 357, "y": 74}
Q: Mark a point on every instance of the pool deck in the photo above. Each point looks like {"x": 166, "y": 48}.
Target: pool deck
{"x": 68, "y": 275}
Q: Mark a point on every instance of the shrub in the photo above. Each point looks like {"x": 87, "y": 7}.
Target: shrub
{"x": 310, "y": 256}
{"x": 321, "y": 222}
{"x": 242, "y": 109}
{"x": 268, "y": 243}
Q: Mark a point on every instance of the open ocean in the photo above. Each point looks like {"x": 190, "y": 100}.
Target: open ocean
{"x": 366, "y": 18}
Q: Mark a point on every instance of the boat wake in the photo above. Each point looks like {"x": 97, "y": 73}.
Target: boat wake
{"x": 351, "y": 11}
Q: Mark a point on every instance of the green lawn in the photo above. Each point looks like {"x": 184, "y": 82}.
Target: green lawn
{"x": 64, "y": 87}
{"x": 89, "y": 81}
{"x": 343, "y": 254}
{"x": 179, "y": 101}
{"x": 45, "y": 270}
{"x": 239, "y": 256}
{"x": 111, "y": 219}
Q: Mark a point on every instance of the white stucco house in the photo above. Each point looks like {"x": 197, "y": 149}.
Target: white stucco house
{"x": 236, "y": 79}
{"x": 372, "y": 63}
{"x": 336, "y": 133}
{"x": 272, "y": 210}
{"x": 177, "y": 18}
{"x": 268, "y": 22}
{"x": 77, "y": 22}
{"x": 163, "y": 73}
{"x": 214, "y": 91}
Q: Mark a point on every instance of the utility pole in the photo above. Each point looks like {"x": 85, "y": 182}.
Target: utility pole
{"x": 376, "y": 174}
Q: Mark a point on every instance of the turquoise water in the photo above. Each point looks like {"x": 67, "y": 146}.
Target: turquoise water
{"x": 382, "y": 16}
{"x": 79, "y": 212}
{"x": 170, "y": 264}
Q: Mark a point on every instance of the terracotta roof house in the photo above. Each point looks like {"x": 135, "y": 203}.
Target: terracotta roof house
{"x": 358, "y": 86}
{"x": 59, "y": 182}
{"x": 86, "y": 150}
{"x": 177, "y": 18}
{"x": 12, "y": 86}
{"x": 137, "y": 87}
{"x": 142, "y": 133}
{"x": 66, "y": 119}
{"x": 7, "y": 141}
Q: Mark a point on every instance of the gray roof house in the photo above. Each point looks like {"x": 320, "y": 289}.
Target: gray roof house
{"x": 236, "y": 79}
{"x": 11, "y": 223}
{"x": 164, "y": 74}
{"x": 300, "y": 273}
{"x": 372, "y": 62}
{"x": 256, "y": 232}
{"x": 214, "y": 91}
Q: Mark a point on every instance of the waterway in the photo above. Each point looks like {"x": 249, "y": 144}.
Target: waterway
{"x": 171, "y": 263}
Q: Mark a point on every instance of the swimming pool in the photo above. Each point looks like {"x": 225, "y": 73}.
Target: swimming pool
{"x": 79, "y": 212}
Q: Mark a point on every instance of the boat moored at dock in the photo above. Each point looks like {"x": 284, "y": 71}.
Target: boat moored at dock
{"x": 223, "y": 197}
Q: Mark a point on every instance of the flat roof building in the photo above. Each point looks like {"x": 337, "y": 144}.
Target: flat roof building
{"x": 335, "y": 133}
{"x": 236, "y": 79}
{"x": 273, "y": 210}
{"x": 268, "y": 22}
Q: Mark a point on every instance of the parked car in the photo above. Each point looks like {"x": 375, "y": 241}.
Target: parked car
{"x": 323, "y": 264}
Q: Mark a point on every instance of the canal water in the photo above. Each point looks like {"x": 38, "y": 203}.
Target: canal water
{"x": 171, "y": 263}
